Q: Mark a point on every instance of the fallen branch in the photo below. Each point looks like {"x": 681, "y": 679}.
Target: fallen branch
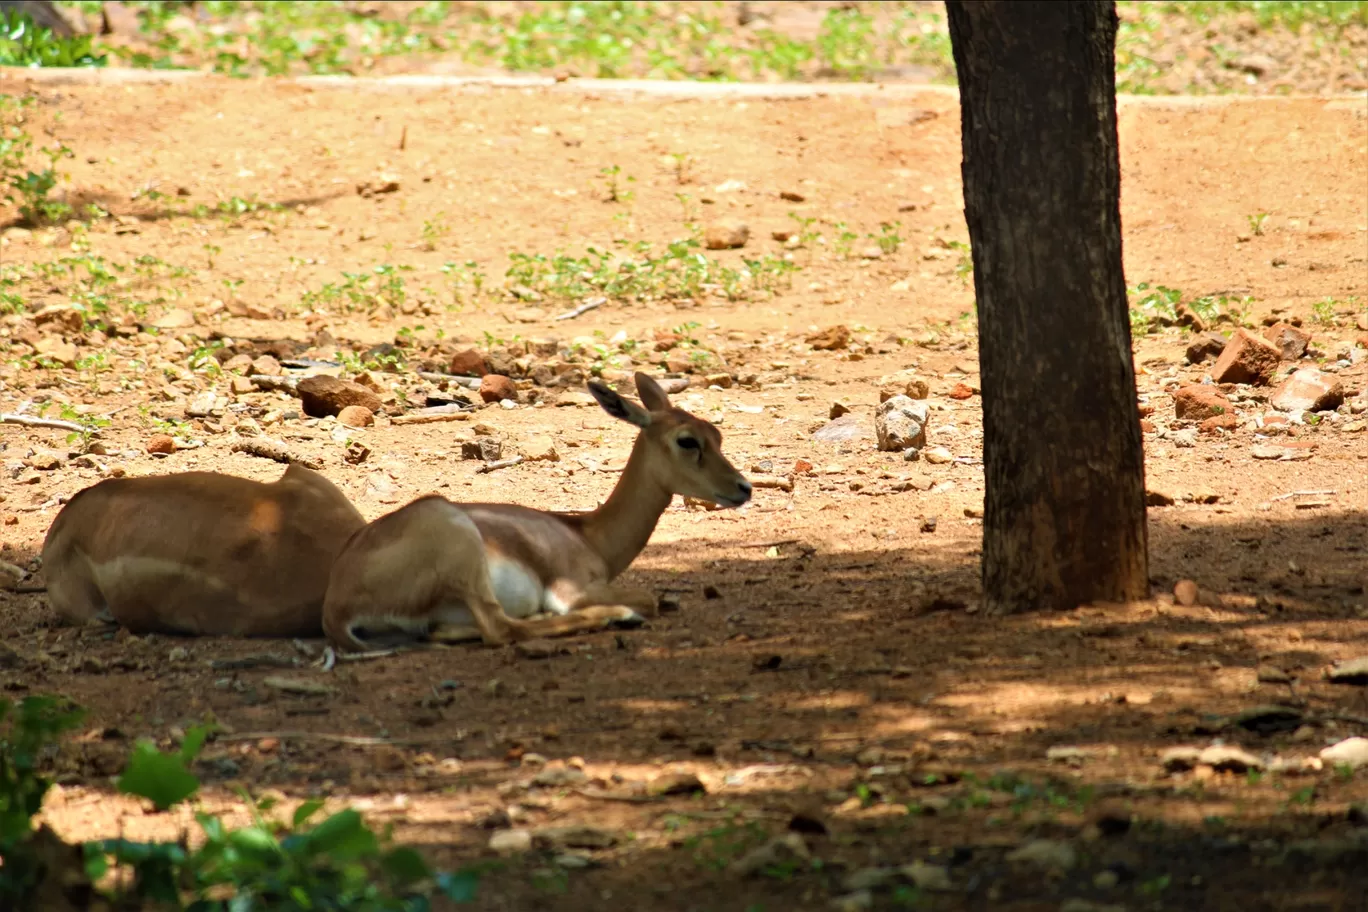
{"x": 591, "y": 304}
{"x": 354, "y": 740}
{"x": 769, "y": 544}
{"x": 439, "y": 413}
{"x": 273, "y": 449}
{"x": 500, "y": 464}
{"x": 781, "y": 482}
{"x": 600, "y": 795}
{"x": 1291, "y": 494}
{"x": 55, "y": 423}
{"x": 470, "y": 383}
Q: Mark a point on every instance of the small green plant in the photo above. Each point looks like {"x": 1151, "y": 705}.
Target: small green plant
{"x": 613, "y": 179}
{"x": 964, "y": 264}
{"x": 1256, "y": 223}
{"x": 1323, "y": 311}
{"x": 719, "y": 847}
{"x": 888, "y": 238}
{"x": 846, "y": 43}
{"x": 26, "y": 44}
{"x": 90, "y": 425}
{"x": 434, "y": 230}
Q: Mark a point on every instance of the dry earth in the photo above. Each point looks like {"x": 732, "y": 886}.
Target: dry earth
{"x": 826, "y": 667}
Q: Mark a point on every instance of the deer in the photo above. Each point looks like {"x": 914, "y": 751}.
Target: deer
{"x": 446, "y": 572}
{"x": 199, "y": 553}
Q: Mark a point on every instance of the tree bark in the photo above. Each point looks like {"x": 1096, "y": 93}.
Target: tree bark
{"x": 1064, "y": 512}
{"x": 43, "y": 13}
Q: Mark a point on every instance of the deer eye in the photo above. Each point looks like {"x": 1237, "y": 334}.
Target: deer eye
{"x": 687, "y": 443}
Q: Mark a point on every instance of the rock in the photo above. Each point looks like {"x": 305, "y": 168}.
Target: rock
{"x": 724, "y": 381}
{"x": 845, "y": 429}
{"x": 1179, "y": 759}
{"x": 1351, "y": 752}
{"x": 469, "y": 363}
{"x": 1195, "y": 403}
{"x": 1254, "y": 64}
{"x": 267, "y": 366}
{"x": 837, "y": 410}
{"x": 202, "y": 405}
{"x": 674, "y": 784}
{"x": 498, "y": 388}
{"x": 55, "y": 348}
{"x": 960, "y": 392}
{"x": 1263, "y": 451}
{"x": 726, "y": 234}
{"x": 1207, "y": 345}
{"x": 1155, "y": 498}
{"x": 44, "y": 462}
{"x": 537, "y": 649}
{"x": 1046, "y": 854}
{"x": 161, "y": 444}
{"x": 356, "y": 416}
{"x": 560, "y": 777}
{"x": 241, "y": 386}
{"x": 490, "y": 449}
{"x": 928, "y": 876}
{"x": 1247, "y": 359}
{"x": 175, "y": 318}
{"x": 1186, "y": 593}
{"x": 511, "y": 842}
{"x": 576, "y": 837}
{"x": 540, "y": 449}
{"x": 322, "y": 396}
{"x": 1219, "y": 423}
{"x": 1308, "y": 390}
{"x": 900, "y": 423}
{"x": 830, "y": 339}
{"x": 1353, "y": 671}
{"x": 782, "y": 851}
{"x": 1289, "y": 339}
{"x": 938, "y": 455}
{"x": 1227, "y": 757}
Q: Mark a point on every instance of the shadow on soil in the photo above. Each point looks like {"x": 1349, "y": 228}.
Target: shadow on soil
{"x": 858, "y": 683}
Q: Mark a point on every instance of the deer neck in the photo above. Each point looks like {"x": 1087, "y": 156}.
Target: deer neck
{"x": 620, "y": 528}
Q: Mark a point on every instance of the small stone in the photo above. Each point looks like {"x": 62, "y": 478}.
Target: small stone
{"x": 845, "y": 429}
{"x": 559, "y": 777}
{"x": 161, "y": 444}
{"x": 1227, "y": 757}
{"x": 726, "y": 234}
{"x": 321, "y": 396}
{"x": 511, "y": 842}
{"x": 938, "y": 455}
{"x": 1247, "y": 359}
{"x": 1263, "y": 451}
{"x": 536, "y": 649}
{"x": 928, "y": 876}
{"x": 1352, "y": 671}
{"x": 356, "y": 416}
{"x": 267, "y": 366}
{"x": 469, "y": 363}
{"x": 202, "y": 405}
{"x": 55, "y": 348}
{"x": 1289, "y": 339}
{"x": 576, "y": 837}
{"x": 1308, "y": 390}
{"x": 1196, "y": 403}
{"x": 675, "y": 784}
{"x": 723, "y": 381}
{"x": 1254, "y": 64}
{"x": 1047, "y": 854}
{"x": 540, "y": 449}
{"x": 178, "y": 654}
{"x": 175, "y": 318}
{"x": 1351, "y": 752}
{"x": 830, "y": 339}
{"x": 1218, "y": 423}
{"x": 490, "y": 449}
{"x": 786, "y": 850}
{"x": 960, "y": 392}
{"x": 1207, "y": 345}
{"x": 1154, "y": 498}
{"x": 837, "y": 410}
{"x": 1186, "y": 593}
{"x": 900, "y": 423}
{"x": 44, "y": 462}
{"x": 871, "y": 252}
{"x": 498, "y": 388}
{"x": 241, "y": 386}
{"x": 858, "y": 901}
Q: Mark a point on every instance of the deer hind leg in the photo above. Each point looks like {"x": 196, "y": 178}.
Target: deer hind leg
{"x": 596, "y": 607}
{"x": 73, "y": 591}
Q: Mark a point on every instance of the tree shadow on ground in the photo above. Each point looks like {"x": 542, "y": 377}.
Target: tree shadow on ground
{"x": 855, "y": 687}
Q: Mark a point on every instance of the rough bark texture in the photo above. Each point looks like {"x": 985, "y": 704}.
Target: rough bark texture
{"x": 1064, "y": 515}
{"x": 42, "y": 12}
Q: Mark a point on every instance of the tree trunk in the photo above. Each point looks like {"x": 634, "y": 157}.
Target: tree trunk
{"x": 42, "y": 12}
{"x": 1064, "y": 513}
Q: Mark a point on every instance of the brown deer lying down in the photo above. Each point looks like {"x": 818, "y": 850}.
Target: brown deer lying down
{"x": 200, "y": 553}
{"x": 450, "y": 572}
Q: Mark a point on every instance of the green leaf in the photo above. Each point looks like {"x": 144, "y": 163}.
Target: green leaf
{"x": 405, "y": 866}
{"x": 343, "y": 835}
{"x": 254, "y": 841}
{"x": 304, "y": 812}
{"x": 160, "y": 778}
{"x": 194, "y": 742}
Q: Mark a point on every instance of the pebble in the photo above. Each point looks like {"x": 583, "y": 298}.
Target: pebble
{"x": 322, "y": 396}
{"x": 356, "y": 416}
{"x": 900, "y": 423}
{"x": 1247, "y": 359}
{"x": 726, "y": 234}
{"x": 1351, "y": 752}
{"x": 511, "y": 842}
{"x": 161, "y": 444}
{"x": 498, "y": 388}
{"x": 1186, "y": 593}
{"x": 938, "y": 455}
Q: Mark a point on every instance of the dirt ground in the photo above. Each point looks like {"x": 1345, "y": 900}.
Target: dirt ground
{"x": 827, "y": 672}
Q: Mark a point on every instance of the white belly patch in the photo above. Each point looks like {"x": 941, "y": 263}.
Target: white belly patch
{"x": 518, "y": 591}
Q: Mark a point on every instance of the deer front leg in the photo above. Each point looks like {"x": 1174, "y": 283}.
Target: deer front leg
{"x": 639, "y": 600}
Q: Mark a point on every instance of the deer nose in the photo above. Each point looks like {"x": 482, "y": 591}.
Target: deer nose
{"x": 745, "y": 488}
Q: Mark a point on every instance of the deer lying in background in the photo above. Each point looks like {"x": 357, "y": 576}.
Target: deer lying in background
{"x": 451, "y": 572}
{"x": 200, "y": 553}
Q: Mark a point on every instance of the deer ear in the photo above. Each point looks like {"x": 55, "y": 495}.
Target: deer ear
{"x": 652, "y": 396}
{"x": 620, "y": 408}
